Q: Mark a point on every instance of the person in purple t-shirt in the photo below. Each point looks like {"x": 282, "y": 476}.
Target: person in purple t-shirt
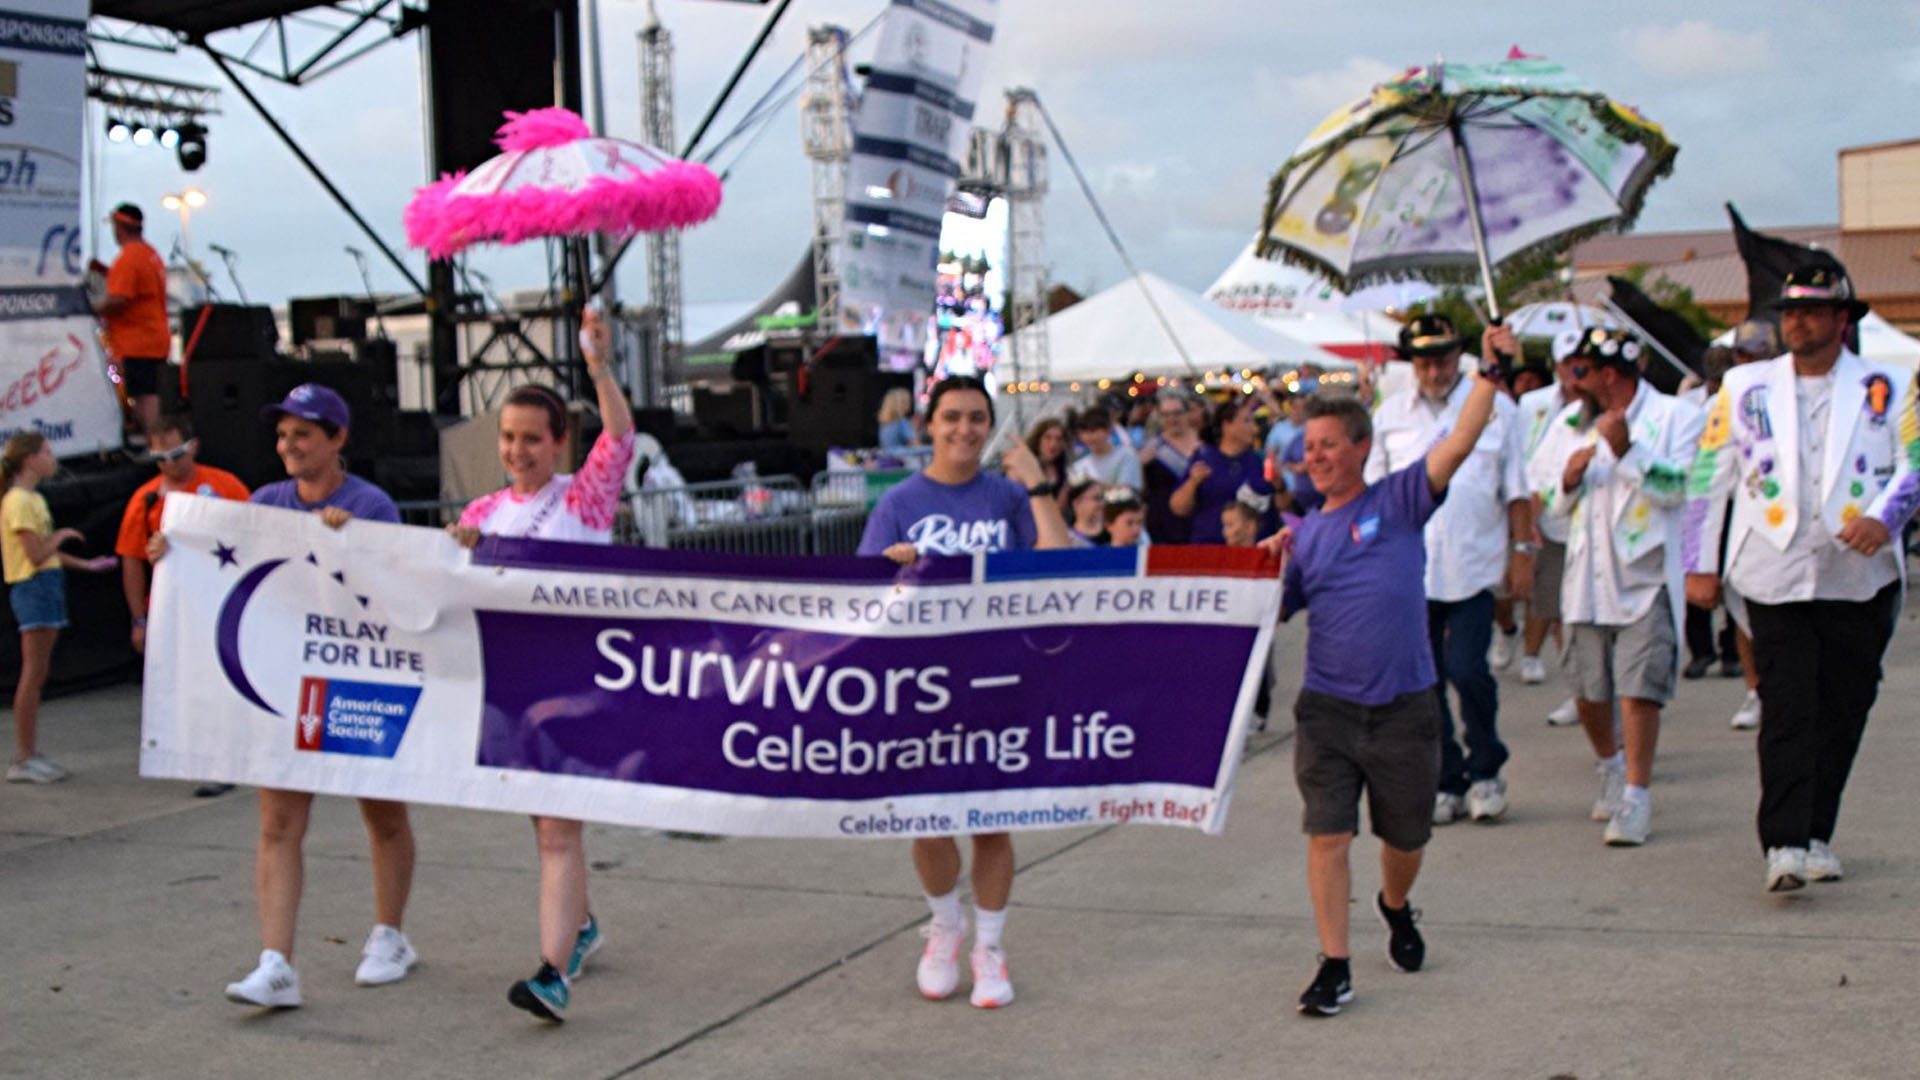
{"x": 955, "y": 508}
{"x": 1228, "y": 467}
{"x": 1367, "y": 717}
{"x": 310, "y": 432}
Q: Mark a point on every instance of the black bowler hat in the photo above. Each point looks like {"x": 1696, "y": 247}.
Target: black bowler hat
{"x": 1604, "y": 346}
{"x": 1428, "y": 335}
{"x": 1820, "y": 286}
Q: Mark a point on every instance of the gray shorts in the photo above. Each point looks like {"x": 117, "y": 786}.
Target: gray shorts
{"x": 1633, "y": 661}
{"x": 1392, "y": 752}
{"x": 1549, "y": 566}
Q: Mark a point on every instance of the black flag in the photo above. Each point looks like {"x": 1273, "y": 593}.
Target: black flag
{"x": 1675, "y": 340}
{"x": 1769, "y": 260}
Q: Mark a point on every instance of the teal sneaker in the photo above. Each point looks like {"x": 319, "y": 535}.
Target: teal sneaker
{"x": 584, "y": 946}
{"x": 544, "y": 995}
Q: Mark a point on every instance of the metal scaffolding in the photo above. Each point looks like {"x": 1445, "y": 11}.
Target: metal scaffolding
{"x": 826, "y": 132}
{"x": 663, "y": 248}
{"x": 1023, "y": 161}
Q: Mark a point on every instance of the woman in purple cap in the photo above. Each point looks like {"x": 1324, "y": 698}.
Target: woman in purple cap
{"x": 955, "y": 507}
{"x": 310, "y": 431}
{"x": 545, "y": 504}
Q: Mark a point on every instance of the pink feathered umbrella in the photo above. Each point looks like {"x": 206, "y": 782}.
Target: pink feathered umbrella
{"x": 555, "y": 178}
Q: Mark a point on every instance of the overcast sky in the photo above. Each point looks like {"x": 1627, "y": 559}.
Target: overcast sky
{"x": 1179, "y": 112}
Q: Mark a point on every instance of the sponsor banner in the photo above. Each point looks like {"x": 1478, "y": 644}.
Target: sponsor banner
{"x": 722, "y": 694}
{"x": 916, "y": 111}
{"x": 52, "y": 374}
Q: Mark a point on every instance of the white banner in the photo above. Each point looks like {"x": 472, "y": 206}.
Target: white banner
{"x": 52, "y": 375}
{"x": 909, "y": 137}
{"x": 719, "y": 694}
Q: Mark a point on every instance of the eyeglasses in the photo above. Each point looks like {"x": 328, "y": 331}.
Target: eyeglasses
{"x": 164, "y": 457}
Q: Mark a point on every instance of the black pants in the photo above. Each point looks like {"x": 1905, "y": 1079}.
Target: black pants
{"x": 1819, "y": 668}
{"x": 1700, "y": 637}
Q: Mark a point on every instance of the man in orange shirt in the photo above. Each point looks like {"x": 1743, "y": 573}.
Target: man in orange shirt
{"x": 135, "y": 311}
{"x": 173, "y": 447}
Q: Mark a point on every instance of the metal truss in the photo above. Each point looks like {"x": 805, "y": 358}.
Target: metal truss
{"x": 144, "y": 97}
{"x": 295, "y": 49}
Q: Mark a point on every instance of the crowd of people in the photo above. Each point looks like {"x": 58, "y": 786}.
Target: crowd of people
{"x": 1432, "y": 538}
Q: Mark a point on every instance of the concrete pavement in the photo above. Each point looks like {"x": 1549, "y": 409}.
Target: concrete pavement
{"x": 1136, "y": 951}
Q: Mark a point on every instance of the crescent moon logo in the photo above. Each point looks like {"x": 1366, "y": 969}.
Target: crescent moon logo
{"x": 228, "y": 632}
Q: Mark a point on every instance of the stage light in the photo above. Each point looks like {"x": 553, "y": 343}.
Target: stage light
{"x": 117, "y": 130}
{"x": 169, "y": 137}
{"x": 193, "y": 146}
{"x": 142, "y": 135}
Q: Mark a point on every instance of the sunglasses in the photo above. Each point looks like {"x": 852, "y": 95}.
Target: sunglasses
{"x": 164, "y": 457}
{"x": 1578, "y": 371}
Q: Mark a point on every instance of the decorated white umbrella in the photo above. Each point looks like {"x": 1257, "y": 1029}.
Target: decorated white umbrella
{"x": 1446, "y": 171}
{"x": 554, "y": 178}
{"x": 1548, "y": 318}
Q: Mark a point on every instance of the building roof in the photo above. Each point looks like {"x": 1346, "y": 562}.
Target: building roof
{"x": 1883, "y": 263}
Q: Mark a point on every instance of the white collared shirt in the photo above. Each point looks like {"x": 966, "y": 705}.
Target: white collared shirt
{"x": 1467, "y": 537}
{"x": 1814, "y": 566}
{"x": 1535, "y": 411}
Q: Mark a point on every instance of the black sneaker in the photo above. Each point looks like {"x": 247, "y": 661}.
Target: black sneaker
{"x": 1332, "y": 987}
{"x": 545, "y": 995}
{"x": 1406, "y": 949}
{"x": 1731, "y": 669}
{"x": 1697, "y": 668}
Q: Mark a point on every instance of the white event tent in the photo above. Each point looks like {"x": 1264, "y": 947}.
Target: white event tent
{"x": 1879, "y": 340}
{"x": 1115, "y": 332}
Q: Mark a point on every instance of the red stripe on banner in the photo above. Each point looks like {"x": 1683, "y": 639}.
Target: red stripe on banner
{"x": 1179, "y": 560}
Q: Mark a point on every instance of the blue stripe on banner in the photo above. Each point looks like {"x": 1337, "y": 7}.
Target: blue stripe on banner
{"x": 951, "y": 16}
{"x": 39, "y": 33}
{"x": 904, "y": 220}
{"x": 895, "y": 150}
{"x": 526, "y": 554}
{"x": 1070, "y": 563}
{"x": 893, "y": 82}
{"x": 43, "y": 302}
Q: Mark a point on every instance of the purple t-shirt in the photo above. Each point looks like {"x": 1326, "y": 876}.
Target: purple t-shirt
{"x": 1361, "y": 570}
{"x": 987, "y": 513}
{"x": 1222, "y": 486}
{"x": 356, "y": 497}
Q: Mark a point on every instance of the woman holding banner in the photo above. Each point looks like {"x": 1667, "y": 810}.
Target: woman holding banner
{"x": 956, "y": 508}
{"x": 579, "y": 508}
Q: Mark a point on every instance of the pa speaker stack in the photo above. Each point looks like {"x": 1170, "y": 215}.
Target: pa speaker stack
{"x": 839, "y": 403}
{"x": 227, "y": 396}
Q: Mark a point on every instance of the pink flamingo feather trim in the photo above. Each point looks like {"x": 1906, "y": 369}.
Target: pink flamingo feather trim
{"x": 537, "y": 129}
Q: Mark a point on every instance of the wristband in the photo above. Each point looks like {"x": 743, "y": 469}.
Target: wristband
{"x": 139, "y": 622}
{"x": 1043, "y": 489}
{"x": 1524, "y": 548}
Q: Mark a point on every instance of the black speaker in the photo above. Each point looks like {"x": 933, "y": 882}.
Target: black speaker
{"x": 488, "y": 56}
{"x": 227, "y": 396}
{"x": 839, "y": 405}
{"x": 327, "y": 318}
{"x": 381, "y": 358}
{"x": 228, "y": 332}
{"x": 727, "y": 411}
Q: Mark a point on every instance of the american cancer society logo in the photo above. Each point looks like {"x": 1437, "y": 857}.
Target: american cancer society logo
{"x": 358, "y": 676}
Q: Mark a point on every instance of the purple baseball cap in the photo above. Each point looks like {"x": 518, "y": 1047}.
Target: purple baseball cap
{"x": 311, "y": 401}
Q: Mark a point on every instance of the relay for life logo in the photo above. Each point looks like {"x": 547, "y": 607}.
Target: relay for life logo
{"x": 349, "y": 678}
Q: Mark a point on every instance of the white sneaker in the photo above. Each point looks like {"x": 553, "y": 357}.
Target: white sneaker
{"x": 1786, "y": 868}
{"x": 1822, "y": 863}
{"x": 1630, "y": 823}
{"x": 1564, "y": 714}
{"x": 1487, "y": 799}
{"x": 1533, "y": 670}
{"x": 273, "y": 985}
{"x": 1613, "y": 790}
{"x": 1747, "y": 716}
{"x": 386, "y": 957}
{"x": 35, "y": 770}
{"x": 1448, "y": 808}
{"x": 939, "y": 972}
{"x": 1501, "y": 652}
{"x": 991, "y": 988}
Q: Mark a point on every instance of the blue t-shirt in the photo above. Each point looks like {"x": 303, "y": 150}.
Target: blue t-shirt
{"x": 1222, "y": 486}
{"x": 896, "y": 434}
{"x": 1306, "y": 497}
{"x": 1280, "y": 434}
{"x": 356, "y": 497}
{"x": 987, "y": 513}
{"x": 1361, "y": 570}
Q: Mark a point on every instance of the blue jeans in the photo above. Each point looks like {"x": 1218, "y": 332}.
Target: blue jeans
{"x": 1460, "y": 633}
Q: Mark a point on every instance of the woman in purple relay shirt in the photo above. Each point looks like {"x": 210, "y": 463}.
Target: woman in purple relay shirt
{"x": 956, "y": 508}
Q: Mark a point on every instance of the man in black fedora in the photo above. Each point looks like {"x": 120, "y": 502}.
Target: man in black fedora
{"x": 1816, "y": 450}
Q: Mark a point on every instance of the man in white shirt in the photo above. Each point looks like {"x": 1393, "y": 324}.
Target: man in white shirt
{"x": 1618, "y": 461}
{"x": 1106, "y": 463}
{"x": 1468, "y": 555}
{"x": 1816, "y": 449}
{"x": 1536, "y": 411}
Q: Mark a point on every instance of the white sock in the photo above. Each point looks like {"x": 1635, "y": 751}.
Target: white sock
{"x": 1636, "y": 793}
{"x": 946, "y": 909}
{"x": 1617, "y": 761}
{"x": 987, "y": 927}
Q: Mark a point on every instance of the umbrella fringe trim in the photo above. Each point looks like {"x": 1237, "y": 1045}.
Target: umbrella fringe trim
{"x": 675, "y": 196}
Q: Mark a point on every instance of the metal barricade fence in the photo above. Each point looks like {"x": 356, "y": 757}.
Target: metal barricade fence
{"x": 760, "y": 516}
